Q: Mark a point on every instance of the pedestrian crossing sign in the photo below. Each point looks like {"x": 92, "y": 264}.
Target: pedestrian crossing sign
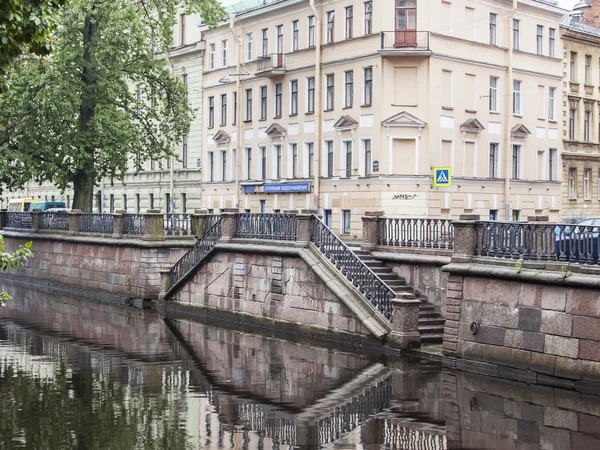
{"x": 442, "y": 176}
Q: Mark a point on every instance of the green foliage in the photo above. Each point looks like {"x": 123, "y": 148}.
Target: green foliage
{"x": 566, "y": 273}
{"x": 102, "y": 99}
{"x": 12, "y": 260}
{"x": 519, "y": 266}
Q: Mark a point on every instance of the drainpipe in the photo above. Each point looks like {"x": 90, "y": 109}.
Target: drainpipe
{"x": 318, "y": 108}
{"x": 508, "y": 114}
{"x": 238, "y": 85}
{"x": 171, "y": 207}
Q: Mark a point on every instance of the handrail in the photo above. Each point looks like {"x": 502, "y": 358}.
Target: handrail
{"x": 182, "y": 268}
{"x": 416, "y": 232}
{"x": 368, "y": 282}
{"x": 273, "y": 226}
{"x": 19, "y": 220}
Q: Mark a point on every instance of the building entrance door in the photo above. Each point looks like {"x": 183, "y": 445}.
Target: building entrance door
{"x": 406, "y": 23}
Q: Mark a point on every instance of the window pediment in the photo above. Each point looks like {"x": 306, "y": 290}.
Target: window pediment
{"x": 472, "y": 126}
{"x": 275, "y": 130}
{"x": 221, "y": 137}
{"x": 520, "y": 131}
{"x": 345, "y": 123}
{"x": 404, "y": 119}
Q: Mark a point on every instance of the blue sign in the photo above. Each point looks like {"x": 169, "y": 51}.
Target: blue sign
{"x": 442, "y": 176}
{"x": 286, "y": 188}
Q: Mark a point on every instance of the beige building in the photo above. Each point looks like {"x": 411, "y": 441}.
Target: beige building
{"x": 347, "y": 106}
{"x": 581, "y": 155}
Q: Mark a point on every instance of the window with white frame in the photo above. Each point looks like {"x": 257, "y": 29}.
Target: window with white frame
{"x": 182, "y": 29}
{"x": 294, "y": 154}
{"x": 330, "y": 92}
{"x": 211, "y": 112}
{"x": 235, "y": 106}
{"x": 553, "y": 164}
{"x": 225, "y": 45}
{"x": 248, "y": 105}
{"x": 348, "y": 155}
{"x": 248, "y": 163}
{"x": 572, "y": 185}
{"x": 224, "y": 165}
{"x": 278, "y": 99}
{"x": 348, "y": 89}
{"x": 573, "y": 67}
{"x": 265, "y": 42}
{"x": 493, "y": 160}
{"x": 329, "y": 147}
{"x": 330, "y": 26}
{"x": 493, "y": 26}
{"x": 346, "y": 221}
{"x": 263, "y": 103}
{"x": 311, "y": 31}
{"x": 249, "y": 46}
{"x": 310, "y": 147}
{"x": 516, "y": 34}
{"x": 540, "y": 40}
{"x": 211, "y": 56}
{"x": 263, "y": 163}
{"x": 586, "y": 183}
{"x": 588, "y": 69}
{"x": 295, "y": 35}
{"x": 552, "y": 103}
{"x": 494, "y": 94}
{"x": 368, "y": 156}
{"x": 368, "y": 17}
{"x": 572, "y": 124}
{"x": 349, "y": 21}
{"x": 278, "y": 162}
{"x": 551, "y": 42}
{"x": 211, "y": 166}
{"x": 516, "y": 161}
{"x": 586, "y": 125}
{"x": 223, "y": 109}
{"x": 517, "y": 97}
{"x": 184, "y": 152}
{"x": 294, "y": 97}
{"x": 368, "y": 86}
{"x": 310, "y": 95}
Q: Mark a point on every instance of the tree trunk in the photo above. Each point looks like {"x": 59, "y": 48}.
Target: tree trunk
{"x": 83, "y": 196}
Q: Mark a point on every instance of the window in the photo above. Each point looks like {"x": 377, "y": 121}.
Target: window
{"x": 279, "y": 42}
{"x": 211, "y": 52}
{"x": 168, "y": 203}
{"x": 493, "y": 23}
{"x": 181, "y": 29}
{"x": 184, "y": 80}
{"x": 278, "y": 162}
{"x": 248, "y": 104}
{"x": 553, "y": 164}
{"x": 586, "y": 183}
{"x": 223, "y": 166}
{"x": 151, "y": 201}
{"x": 225, "y": 52}
{"x": 295, "y": 35}
{"x": 346, "y": 220}
{"x": 294, "y": 97}
{"x": 588, "y": 69}
{"x": 310, "y": 101}
{"x": 184, "y": 152}
{"x": 183, "y": 203}
{"x": 540, "y": 40}
{"x": 311, "y": 31}
{"x": 349, "y": 21}
{"x": 263, "y": 103}
{"x": 516, "y": 215}
{"x": 294, "y": 152}
{"x": 516, "y": 34}
{"x": 263, "y": 206}
{"x": 249, "y": 163}
{"x": 552, "y": 103}
{"x": 249, "y": 47}
{"x": 368, "y": 17}
{"x": 573, "y": 67}
{"x": 278, "y": 98}
{"x": 551, "y": 42}
{"x": 265, "y": 42}
{"x": 169, "y": 162}
{"x": 329, "y": 145}
{"x": 493, "y": 160}
{"x": 368, "y": 156}
{"x": 368, "y": 86}
{"x": 516, "y": 97}
{"x": 516, "y": 162}
{"x": 330, "y": 26}
{"x": 572, "y": 124}
{"x": 138, "y": 203}
{"x": 235, "y": 106}
{"x": 211, "y": 112}
{"x": 152, "y": 164}
{"x": 572, "y": 178}
{"x": 348, "y": 147}
{"x": 223, "y": 109}
{"x": 263, "y": 163}
{"x": 494, "y": 94}
{"x": 330, "y": 92}
{"x": 311, "y": 159}
{"x": 111, "y": 204}
{"x": 124, "y": 202}
{"x": 586, "y": 126}
{"x": 327, "y": 215}
{"x": 349, "y": 89}
{"x": 493, "y": 214}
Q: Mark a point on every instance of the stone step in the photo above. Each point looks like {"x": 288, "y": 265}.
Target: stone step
{"x": 389, "y": 277}
{"x": 431, "y": 329}
{"x": 435, "y": 338}
{"x": 432, "y": 321}
{"x": 428, "y": 314}
{"x": 427, "y": 307}
{"x": 401, "y": 288}
{"x": 373, "y": 263}
{"x": 384, "y": 270}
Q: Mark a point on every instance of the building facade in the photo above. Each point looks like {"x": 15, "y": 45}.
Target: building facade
{"x": 581, "y": 135}
{"x": 347, "y": 106}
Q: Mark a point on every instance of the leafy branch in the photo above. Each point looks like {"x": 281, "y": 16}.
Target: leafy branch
{"x": 12, "y": 261}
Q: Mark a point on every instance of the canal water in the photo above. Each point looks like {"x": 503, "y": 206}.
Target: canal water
{"x": 80, "y": 374}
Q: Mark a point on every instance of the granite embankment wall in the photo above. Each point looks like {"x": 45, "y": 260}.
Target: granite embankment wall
{"x": 128, "y": 267}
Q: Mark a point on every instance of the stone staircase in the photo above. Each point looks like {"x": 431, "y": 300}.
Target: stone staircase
{"x": 431, "y": 322}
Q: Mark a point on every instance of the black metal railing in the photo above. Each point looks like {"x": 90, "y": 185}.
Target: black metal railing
{"x": 538, "y": 241}
{"x": 211, "y": 219}
{"x": 54, "y": 220}
{"x": 270, "y": 62}
{"x": 200, "y": 249}
{"x": 277, "y": 227}
{"x": 20, "y": 220}
{"x": 177, "y": 224}
{"x": 397, "y": 434}
{"x": 95, "y": 223}
{"x": 368, "y": 283}
{"x": 404, "y": 40}
{"x": 419, "y": 233}
{"x": 134, "y": 224}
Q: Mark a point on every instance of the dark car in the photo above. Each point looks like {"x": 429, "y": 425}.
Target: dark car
{"x": 579, "y": 242}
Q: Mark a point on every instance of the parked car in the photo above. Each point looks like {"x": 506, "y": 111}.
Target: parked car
{"x": 580, "y": 241}
{"x": 21, "y": 204}
{"x": 572, "y": 220}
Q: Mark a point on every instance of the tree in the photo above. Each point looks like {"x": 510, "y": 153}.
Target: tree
{"x": 102, "y": 102}
{"x": 12, "y": 260}
{"x": 25, "y": 26}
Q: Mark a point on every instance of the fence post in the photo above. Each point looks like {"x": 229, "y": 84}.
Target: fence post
{"x": 539, "y": 233}
{"x": 199, "y": 222}
{"x": 370, "y": 223}
{"x": 228, "y": 223}
{"x": 72, "y": 220}
{"x": 465, "y": 238}
{"x": 165, "y": 282}
{"x": 405, "y": 319}
{"x": 119, "y": 223}
{"x": 35, "y": 220}
{"x": 304, "y": 226}
{"x": 153, "y": 224}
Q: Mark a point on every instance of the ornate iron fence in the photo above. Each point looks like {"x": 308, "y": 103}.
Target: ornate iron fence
{"x": 417, "y": 232}
{"x": 20, "y": 220}
{"x": 134, "y": 224}
{"x": 538, "y": 241}
{"x": 200, "y": 249}
{"x": 402, "y": 435}
{"x": 54, "y": 220}
{"x": 177, "y": 225}
{"x": 95, "y": 223}
{"x": 278, "y": 227}
{"x": 370, "y": 285}
{"x": 211, "y": 220}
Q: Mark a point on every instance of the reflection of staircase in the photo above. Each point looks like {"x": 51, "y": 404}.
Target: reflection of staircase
{"x": 431, "y": 322}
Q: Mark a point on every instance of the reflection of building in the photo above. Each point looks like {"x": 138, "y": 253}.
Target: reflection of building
{"x": 581, "y": 156}
{"x": 361, "y": 100}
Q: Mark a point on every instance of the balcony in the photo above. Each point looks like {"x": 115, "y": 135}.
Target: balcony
{"x": 404, "y": 42}
{"x": 272, "y": 65}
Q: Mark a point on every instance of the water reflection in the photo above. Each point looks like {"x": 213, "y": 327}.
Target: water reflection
{"x": 87, "y": 375}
